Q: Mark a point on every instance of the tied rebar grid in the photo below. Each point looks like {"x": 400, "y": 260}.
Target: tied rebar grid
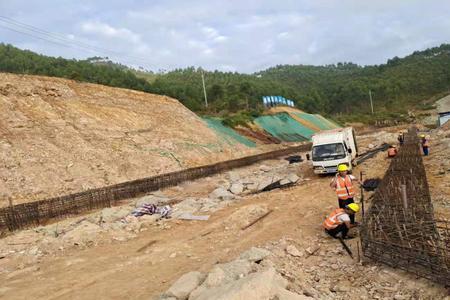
{"x": 38, "y": 212}
{"x": 399, "y": 228}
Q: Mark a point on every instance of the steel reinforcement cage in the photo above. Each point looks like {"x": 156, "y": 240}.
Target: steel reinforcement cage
{"x": 38, "y": 212}
{"x": 399, "y": 228}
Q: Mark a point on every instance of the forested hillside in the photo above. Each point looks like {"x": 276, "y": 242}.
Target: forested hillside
{"x": 398, "y": 85}
{"x": 334, "y": 90}
{"x": 14, "y": 60}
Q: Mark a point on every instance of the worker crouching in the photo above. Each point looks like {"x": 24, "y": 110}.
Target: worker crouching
{"x": 392, "y": 151}
{"x": 339, "y": 221}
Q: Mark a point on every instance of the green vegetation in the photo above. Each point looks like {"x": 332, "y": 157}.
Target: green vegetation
{"x": 93, "y": 70}
{"x": 340, "y": 91}
{"x": 242, "y": 118}
{"x": 367, "y": 118}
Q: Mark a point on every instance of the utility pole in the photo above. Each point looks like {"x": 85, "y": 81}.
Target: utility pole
{"x": 204, "y": 90}
{"x": 371, "y": 103}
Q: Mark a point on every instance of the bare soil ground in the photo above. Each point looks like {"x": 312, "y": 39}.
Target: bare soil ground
{"x": 60, "y": 136}
{"x": 437, "y": 165}
{"x": 148, "y": 264}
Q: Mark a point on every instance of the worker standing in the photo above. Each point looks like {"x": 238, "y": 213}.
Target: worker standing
{"x": 339, "y": 221}
{"x": 400, "y": 138}
{"x": 392, "y": 151}
{"x": 425, "y": 144}
{"x": 342, "y": 183}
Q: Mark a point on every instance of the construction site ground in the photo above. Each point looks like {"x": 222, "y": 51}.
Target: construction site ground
{"x": 146, "y": 265}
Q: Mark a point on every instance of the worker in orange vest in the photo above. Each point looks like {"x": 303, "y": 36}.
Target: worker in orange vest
{"x": 339, "y": 220}
{"x": 425, "y": 144}
{"x": 392, "y": 151}
{"x": 342, "y": 183}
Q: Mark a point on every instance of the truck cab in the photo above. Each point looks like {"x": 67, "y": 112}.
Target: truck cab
{"x": 332, "y": 148}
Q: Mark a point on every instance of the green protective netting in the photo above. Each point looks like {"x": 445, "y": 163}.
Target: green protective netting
{"x": 321, "y": 123}
{"x": 331, "y": 123}
{"x": 284, "y": 127}
{"x": 230, "y": 136}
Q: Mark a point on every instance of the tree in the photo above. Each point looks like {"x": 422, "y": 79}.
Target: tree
{"x": 216, "y": 92}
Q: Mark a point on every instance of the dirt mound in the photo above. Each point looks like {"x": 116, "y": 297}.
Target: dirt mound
{"x": 59, "y": 136}
{"x": 257, "y": 135}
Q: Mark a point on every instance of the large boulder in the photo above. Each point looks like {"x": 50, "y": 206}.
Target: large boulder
{"x": 252, "y": 186}
{"x": 225, "y": 273}
{"x": 292, "y": 250}
{"x": 237, "y": 188}
{"x": 265, "y": 168}
{"x": 185, "y": 285}
{"x": 264, "y": 285}
{"x": 293, "y": 177}
{"x": 255, "y": 254}
{"x": 210, "y": 205}
{"x": 222, "y": 194}
{"x": 246, "y": 215}
{"x": 189, "y": 205}
{"x": 264, "y": 183}
{"x": 285, "y": 182}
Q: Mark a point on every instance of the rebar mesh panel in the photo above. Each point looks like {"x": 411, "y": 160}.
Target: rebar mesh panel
{"x": 399, "y": 228}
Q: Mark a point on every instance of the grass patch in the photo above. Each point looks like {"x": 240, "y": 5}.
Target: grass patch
{"x": 370, "y": 119}
{"x": 243, "y": 118}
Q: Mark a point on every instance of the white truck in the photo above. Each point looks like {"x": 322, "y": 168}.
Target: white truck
{"x": 331, "y": 148}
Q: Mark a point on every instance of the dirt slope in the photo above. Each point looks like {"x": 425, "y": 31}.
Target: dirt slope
{"x": 59, "y": 136}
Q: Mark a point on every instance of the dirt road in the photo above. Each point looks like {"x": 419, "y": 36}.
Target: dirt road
{"x": 119, "y": 271}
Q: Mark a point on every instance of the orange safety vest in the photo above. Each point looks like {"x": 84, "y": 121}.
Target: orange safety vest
{"x": 332, "y": 221}
{"x": 344, "y": 187}
{"x": 392, "y": 152}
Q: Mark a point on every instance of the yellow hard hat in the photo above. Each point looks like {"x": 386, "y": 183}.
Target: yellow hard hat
{"x": 354, "y": 207}
{"x": 342, "y": 168}
{"x": 422, "y": 135}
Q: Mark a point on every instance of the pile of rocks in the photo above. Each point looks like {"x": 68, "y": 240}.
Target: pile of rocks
{"x": 251, "y": 276}
{"x": 370, "y": 141}
{"x": 109, "y": 224}
{"x": 256, "y": 182}
{"x": 236, "y": 186}
{"x": 322, "y": 269}
{"x": 286, "y": 270}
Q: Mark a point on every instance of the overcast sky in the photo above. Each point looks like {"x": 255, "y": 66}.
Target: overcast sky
{"x": 234, "y": 35}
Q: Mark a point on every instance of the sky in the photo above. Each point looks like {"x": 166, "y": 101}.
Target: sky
{"x": 235, "y": 35}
